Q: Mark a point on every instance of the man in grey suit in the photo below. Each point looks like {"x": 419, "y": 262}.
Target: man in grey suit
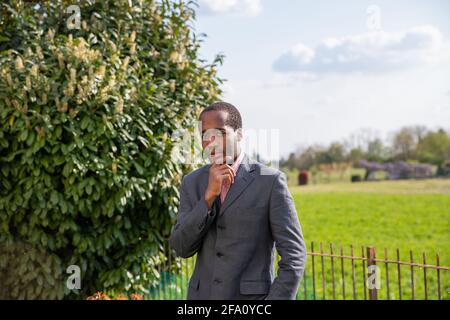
{"x": 234, "y": 213}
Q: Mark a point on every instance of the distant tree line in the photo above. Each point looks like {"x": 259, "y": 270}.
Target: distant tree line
{"x": 411, "y": 144}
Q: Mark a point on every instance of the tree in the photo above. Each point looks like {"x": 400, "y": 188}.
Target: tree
{"x": 434, "y": 148}
{"x": 419, "y": 132}
{"x": 87, "y": 113}
{"x": 404, "y": 144}
{"x": 355, "y": 155}
{"x": 290, "y": 162}
{"x": 376, "y": 151}
{"x": 361, "y": 138}
{"x": 336, "y": 152}
{"x": 307, "y": 158}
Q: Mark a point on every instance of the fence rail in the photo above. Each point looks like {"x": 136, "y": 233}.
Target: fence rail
{"x": 335, "y": 274}
{"x": 371, "y": 269}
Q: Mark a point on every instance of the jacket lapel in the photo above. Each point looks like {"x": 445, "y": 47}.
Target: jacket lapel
{"x": 204, "y": 179}
{"x": 243, "y": 178}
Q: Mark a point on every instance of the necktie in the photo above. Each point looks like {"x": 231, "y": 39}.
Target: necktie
{"x": 224, "y": 191}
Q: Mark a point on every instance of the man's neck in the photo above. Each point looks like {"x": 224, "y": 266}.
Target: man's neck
{"x": 238, "y": 153}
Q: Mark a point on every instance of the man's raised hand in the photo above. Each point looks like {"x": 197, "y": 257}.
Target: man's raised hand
{"x": 218, "y": 173}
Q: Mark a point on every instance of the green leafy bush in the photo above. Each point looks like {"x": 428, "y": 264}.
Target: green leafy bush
{"x": 86, "y": 122}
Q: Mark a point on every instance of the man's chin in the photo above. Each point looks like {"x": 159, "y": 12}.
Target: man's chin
{"x": 217, "y": 159}
{"x": 220, "y": 159}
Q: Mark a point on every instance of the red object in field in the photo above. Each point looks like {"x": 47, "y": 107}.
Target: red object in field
{"x": 303, "y": 178}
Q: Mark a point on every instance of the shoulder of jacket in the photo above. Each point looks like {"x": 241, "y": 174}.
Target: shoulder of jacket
{"x": 193, "y": 175}
{"x": 266, "y": 171}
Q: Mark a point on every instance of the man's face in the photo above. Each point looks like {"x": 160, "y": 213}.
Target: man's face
{"x": 220, "y": 142}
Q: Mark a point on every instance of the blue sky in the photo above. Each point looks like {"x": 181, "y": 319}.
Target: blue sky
{"x": 319, "y": 71}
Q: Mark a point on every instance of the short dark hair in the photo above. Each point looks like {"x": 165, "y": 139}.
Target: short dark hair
{"x": 234, "y": 119}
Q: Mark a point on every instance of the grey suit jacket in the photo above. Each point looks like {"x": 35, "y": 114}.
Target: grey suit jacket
{"x": 236, "y": 242}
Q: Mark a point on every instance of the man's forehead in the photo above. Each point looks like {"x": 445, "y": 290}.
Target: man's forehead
{"x": 215, "y": 117}
{"x": 215, "y": 130}
{"x": 214, "y": 120}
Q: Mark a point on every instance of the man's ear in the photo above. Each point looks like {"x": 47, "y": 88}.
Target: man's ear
{"x": 239, "y": 134}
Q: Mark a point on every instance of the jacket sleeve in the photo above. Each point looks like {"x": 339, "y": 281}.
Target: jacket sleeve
{"x": 193, "y": 221}
{"x": 289, "y": 241}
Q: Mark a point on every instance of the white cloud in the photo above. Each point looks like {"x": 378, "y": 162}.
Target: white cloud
{"x": 242, "y": 7}
{"x": 376, "y": 51}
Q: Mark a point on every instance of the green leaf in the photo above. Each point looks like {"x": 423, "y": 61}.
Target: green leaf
{"x": 67, "y": 169}
{"x": 85, "y": 122}
{"x": 139, "y": 168}
{"x": 23, "y": 135}
{"x": 54, "y": 197}
{"x": 31, "y": 138}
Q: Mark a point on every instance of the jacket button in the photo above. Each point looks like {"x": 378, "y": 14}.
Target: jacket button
{"x": 219, "y": 254}
{"x": 217, "y": 281}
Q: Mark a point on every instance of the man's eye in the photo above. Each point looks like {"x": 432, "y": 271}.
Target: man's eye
{"x": 212, "y": 136}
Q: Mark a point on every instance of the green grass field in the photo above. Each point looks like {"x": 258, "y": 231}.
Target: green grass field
{"x": 393, "y": 214}
{"x": 408, "y": 215}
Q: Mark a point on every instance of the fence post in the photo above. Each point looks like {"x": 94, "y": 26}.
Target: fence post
{"x": 373, "y": 291}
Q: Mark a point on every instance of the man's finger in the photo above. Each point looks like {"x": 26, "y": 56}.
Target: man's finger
{"x": 227, "y": 166}
{"x": 227, "y": 176}
{"x": 221, "y": 167}
{"x": 230, "y": 171}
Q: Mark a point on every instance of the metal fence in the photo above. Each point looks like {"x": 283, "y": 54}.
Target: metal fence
{"x": 332, "y": 273}
{"x": 365, "y": 276}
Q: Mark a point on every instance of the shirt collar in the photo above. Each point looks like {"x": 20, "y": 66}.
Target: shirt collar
{"x": 238, "y": 161}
